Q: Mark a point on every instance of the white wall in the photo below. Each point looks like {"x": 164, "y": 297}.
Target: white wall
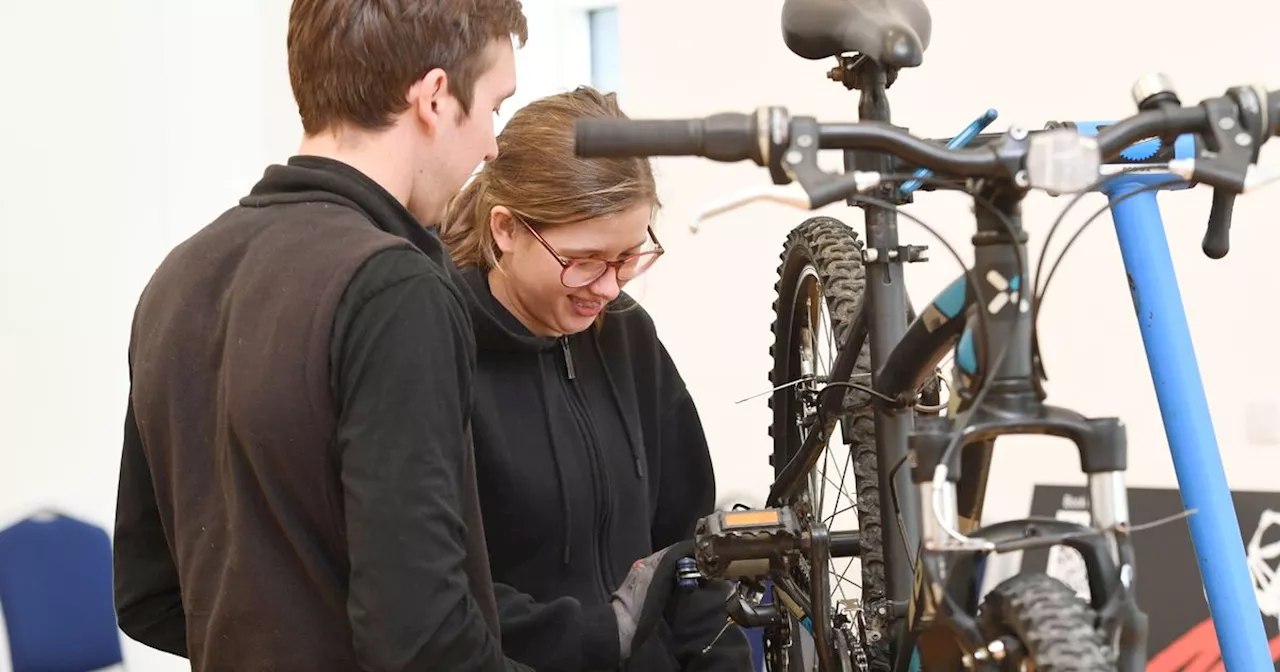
{"x": 127, "y": 126}
{"x": 712, "y": 296}
{"x": 130, "y": 127}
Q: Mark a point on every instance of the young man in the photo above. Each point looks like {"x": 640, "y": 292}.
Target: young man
{"x": 296, "y": 488}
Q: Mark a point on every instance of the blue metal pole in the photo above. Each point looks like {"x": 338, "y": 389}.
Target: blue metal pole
{"x": 1215, "y": 531}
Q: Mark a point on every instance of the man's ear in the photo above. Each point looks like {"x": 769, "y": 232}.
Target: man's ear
{"x": 427, "y": 98}
{"x": 503, "y": 226}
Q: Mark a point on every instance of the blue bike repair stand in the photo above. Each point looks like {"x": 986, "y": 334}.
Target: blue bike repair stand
{"x": 1162, "y": 320}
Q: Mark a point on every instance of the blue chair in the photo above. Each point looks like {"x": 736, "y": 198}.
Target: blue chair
{"x": 56, "y": 593}
{"x": 755, "y": 637}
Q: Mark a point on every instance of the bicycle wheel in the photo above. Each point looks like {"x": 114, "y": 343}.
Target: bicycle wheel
{"x": 1054, "y": 629}
{"x": 819, "y": 293}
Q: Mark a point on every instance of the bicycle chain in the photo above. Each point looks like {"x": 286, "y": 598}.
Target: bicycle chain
{"x": 859, "y": 636}
{"x": 860, "y": 658}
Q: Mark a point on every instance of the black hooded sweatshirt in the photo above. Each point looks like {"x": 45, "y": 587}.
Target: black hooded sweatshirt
{"x": 589, "y": 456}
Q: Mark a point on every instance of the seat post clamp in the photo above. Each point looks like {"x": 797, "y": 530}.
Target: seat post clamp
{"x": 902, "y": 253}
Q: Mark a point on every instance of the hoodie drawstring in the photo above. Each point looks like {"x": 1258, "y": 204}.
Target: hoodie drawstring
{"x": 617, "y": 404}
{"x": 561, "y": 478}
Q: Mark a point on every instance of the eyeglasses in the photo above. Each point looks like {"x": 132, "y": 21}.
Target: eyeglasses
{"x": 575, "y": 273}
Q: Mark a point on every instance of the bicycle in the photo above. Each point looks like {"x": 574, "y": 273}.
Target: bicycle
{"x": 921, "y": 574}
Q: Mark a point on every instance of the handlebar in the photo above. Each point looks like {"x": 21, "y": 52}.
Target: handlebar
{"x": 1059, "y": 159}
{"x": 734, "y": 136}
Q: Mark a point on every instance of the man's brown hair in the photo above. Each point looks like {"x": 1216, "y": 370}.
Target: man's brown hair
{"x": 353, "y": 61}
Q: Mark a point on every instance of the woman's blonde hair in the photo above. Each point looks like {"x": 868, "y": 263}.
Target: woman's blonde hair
{"x": 539, "y": 178}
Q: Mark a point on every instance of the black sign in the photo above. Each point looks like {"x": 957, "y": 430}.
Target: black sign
{"x": 1182, "y": 636}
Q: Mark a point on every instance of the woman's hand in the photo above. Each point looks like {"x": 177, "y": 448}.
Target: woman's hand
{"x": 643, "y": 596}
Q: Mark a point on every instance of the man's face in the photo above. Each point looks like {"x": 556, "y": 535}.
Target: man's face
{"x": 464, "y": 141}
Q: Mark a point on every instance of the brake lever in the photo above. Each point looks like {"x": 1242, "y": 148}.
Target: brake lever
{"x": 1238, "y": 127}
{"x": 1217, "y": 235}
{"x": 801, "y": 182}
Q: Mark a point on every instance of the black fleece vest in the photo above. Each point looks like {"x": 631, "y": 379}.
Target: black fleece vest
{"x": 232, "y": 395}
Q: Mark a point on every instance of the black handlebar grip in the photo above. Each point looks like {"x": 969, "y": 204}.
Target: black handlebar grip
{"x": 1217, "y": 237}
{"x": 728, "y": 136}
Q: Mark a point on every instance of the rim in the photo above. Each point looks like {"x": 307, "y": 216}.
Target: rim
{"x": 830, "y": 496}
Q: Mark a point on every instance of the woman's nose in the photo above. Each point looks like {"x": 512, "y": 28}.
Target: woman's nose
{"x": 606, "y": 286}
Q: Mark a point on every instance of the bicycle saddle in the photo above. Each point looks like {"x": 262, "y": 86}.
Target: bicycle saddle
{"x": 894, "y": 33}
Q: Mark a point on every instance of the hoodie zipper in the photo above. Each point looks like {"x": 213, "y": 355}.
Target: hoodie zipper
{"x": 602, "y": 488}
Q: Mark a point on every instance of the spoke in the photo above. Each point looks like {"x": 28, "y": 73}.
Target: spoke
{"x": 839, "y": 589}
{"x": 847, "y": 566}
{"x": 817, "y": 356}
{"x": 823, "y": 333}
{"x": 848, "y": 462}
{"x": 822, "y": 495}
{"x": 853, "y": 503}
{"x": 853, "y": 506}
{"x": 848, "y": 581}
{"x": 830, "y": 334}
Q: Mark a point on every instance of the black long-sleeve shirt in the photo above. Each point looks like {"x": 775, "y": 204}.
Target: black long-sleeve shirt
{"x": 297, "y": 487}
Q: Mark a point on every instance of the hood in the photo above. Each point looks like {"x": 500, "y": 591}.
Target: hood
{"x": 496, "y": 328}
{"x": 315, "y": 179}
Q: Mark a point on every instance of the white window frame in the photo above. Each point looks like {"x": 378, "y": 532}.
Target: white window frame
{"x": 575, "y": 38}
{"x": 562, "y": 29}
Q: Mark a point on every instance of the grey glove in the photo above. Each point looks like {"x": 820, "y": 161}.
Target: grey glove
{"x": 642, "y": 598}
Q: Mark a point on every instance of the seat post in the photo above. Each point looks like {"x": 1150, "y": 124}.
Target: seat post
{"x": 872, "y": 80}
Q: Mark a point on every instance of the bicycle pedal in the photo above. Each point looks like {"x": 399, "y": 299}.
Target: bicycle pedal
{"x": 745, "y": 543}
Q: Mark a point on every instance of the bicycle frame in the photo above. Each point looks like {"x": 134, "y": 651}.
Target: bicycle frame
{"x": 932, "y": 602}
{"x": 1171, "y": 359}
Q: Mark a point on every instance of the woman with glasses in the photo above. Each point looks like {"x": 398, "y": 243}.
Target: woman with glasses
{"x": 589, "y": 451}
